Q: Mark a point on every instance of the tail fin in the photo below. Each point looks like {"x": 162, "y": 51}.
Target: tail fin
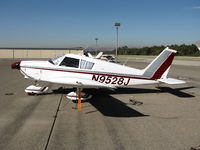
{"x": 159, "y": 67}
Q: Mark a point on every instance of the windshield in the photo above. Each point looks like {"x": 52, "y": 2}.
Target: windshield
{"x": 56, "y": 59}
{"x": 70, "y": 62}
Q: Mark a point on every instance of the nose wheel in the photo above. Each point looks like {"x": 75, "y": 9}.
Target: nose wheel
{"x": 35, "y": 90}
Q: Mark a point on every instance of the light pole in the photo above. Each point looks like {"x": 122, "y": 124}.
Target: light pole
{"x": 13, "y": 53}
{"x": 117, "y": 25}
{"x": 96, "y": 44}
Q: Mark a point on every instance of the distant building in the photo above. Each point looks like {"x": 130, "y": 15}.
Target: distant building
{"x": 37, "y": 52}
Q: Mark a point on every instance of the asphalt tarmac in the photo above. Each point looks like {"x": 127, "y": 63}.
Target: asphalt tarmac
{"x": 160, "y": 117}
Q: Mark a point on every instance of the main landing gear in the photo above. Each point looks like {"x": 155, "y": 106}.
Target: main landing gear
{"x": 75, "y": 96}
{"x": 78, "y": 96}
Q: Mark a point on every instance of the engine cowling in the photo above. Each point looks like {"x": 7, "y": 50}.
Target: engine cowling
{"x": 16, "y": 65}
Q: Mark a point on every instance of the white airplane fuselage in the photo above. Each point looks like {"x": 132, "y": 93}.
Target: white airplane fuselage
{"x": 85, "y": 72}
{"x": 103, "y": 72}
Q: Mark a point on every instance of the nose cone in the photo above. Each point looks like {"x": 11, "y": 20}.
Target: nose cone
{"x": 16, "y": 65}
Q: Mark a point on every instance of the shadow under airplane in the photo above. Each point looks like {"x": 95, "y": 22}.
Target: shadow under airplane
{"x": 106, "y": 104}
{"x": 112, "y": 107}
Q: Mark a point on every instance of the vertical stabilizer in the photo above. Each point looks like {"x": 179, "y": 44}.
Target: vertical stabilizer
{"x": 159, "y": 67}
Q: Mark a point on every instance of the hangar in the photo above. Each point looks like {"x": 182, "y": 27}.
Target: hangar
{"x": 37, "y": 52}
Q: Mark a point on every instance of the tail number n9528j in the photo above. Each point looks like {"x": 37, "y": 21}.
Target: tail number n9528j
{"x": 111, "y": 79}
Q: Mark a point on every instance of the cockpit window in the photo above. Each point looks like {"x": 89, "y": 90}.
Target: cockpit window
{"x": 56, "y": 59}
{"x": 70, "y": 62}
{"x": 86, "y": 64}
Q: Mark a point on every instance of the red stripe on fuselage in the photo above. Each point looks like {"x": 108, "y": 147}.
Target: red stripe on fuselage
{"x": 96, "y": 73}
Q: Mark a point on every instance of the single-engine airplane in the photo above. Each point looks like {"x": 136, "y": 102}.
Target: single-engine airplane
{"x": 80, "y": 72}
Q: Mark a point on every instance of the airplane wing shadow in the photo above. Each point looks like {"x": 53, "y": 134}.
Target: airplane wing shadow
{"x": 174, "y": 91}
{"x": 112, "y": 107}
{"x": 177, "y": 91}
{"x": 106, "y": 104}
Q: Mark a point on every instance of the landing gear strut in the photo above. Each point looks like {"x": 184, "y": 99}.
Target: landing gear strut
{"x": 78, "y": 96}
{"x": 79, "y": 99}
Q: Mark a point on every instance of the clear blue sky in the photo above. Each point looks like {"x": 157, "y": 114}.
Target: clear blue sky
{"x": 71, "y": 23}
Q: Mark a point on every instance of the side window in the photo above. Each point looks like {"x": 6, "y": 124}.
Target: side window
{"x": 89, "y": 65}
{"x": 70, "y": 62}
{"x": 86, "y": 64}
{"x": 82, "y": 64}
